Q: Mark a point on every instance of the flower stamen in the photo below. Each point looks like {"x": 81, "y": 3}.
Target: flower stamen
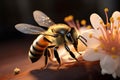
{"x": 90, "y": 35}
{"x": 114, "y": 56}
{"x": 83, "y": 22}
{"x": 89, "y": 27}
{"x": 111, "y": 20}
{"x": 69, "y": 21}
{"x": 68, "y": 18}
{"x": 109, "y": 38}
{"x": 106, "y": 11}
{"x": 113, "y": 49}
{"x": 76, "y": 24}
{"x": 95, "y": 49}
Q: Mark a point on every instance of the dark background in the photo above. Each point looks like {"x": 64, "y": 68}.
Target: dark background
{"x": 17, "y": 11}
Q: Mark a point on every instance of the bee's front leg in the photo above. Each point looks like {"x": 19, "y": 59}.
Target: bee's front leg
{"x": 82, "y": 39}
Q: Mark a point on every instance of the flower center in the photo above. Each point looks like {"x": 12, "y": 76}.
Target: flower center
{"x": 110, "y": 38}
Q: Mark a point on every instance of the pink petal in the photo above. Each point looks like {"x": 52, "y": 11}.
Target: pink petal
{"x": 95, "y": 21}
{"x": 91, "y": 55}
{"x": 115, "y": 15}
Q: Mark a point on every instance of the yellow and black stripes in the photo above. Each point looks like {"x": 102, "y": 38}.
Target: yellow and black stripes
{"x": 37, "y": 48}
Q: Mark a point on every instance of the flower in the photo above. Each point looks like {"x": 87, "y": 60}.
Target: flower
{"x": 103, "y": 43}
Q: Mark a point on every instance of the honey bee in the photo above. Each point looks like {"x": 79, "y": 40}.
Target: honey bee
{"x": 50, "y": 39}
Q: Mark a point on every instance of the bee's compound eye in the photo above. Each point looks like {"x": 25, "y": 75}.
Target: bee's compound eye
{"x": 69, "y": 37}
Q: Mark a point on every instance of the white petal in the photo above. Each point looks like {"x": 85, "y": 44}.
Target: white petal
{"x": 91, "y": 42}
{"x": 108, "y": 64}
{"x": 114, "y": 75}
{"x": 115, "y": 15}
{"x": 118, "y": 72}
{"x": 92, "y": 55}
{"x": 118, "y": 69}
{"x": 95, "y": 20}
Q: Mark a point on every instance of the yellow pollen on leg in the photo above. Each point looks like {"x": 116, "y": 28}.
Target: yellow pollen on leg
{"x": 90, "y": 35}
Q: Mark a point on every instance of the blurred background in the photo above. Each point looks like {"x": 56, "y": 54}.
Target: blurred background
{"x": 17, "y": 11}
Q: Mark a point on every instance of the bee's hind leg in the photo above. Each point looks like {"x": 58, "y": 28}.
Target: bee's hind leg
{"x": 46, "y": 54}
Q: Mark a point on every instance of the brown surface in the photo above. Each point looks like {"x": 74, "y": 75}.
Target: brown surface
{"x": 14, "y": 54}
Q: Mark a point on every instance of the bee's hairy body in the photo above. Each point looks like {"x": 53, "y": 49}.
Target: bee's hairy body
{"x": 42, "y": 42}
{"x": 50, "y": 39}
{"x": 37, "y": 48}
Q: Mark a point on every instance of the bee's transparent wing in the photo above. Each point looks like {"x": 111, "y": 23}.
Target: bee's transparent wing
{"x": 42, "y": 19}
{"x": 28, "y": 29}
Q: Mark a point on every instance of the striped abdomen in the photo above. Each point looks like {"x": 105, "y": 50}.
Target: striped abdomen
{"x": 37, "y": 48}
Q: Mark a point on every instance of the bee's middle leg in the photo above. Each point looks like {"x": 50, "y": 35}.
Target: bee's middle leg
{"x": 57, "y": 56}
